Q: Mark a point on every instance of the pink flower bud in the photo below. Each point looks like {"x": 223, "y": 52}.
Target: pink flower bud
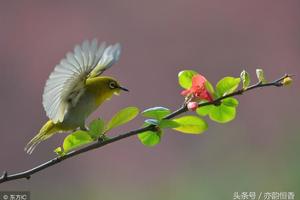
{"x": 192, "y": 106}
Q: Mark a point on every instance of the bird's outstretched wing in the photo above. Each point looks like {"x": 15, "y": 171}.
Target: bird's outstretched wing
{"x": 66, "y": 83}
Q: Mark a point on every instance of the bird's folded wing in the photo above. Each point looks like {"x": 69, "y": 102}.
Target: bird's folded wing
{"x": 66, "y": 84}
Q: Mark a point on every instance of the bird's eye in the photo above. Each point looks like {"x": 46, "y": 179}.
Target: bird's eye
{"x": 112, "y": 85}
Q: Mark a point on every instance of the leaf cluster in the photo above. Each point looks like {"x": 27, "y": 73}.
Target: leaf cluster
{"x": 222, "y": 111}
{"x": 97, "y": 130}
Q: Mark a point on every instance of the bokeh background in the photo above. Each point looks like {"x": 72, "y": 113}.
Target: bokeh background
{"x": 257, "y": 152}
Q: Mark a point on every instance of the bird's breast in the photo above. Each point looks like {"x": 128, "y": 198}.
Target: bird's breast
{"x": 78, "y": 113}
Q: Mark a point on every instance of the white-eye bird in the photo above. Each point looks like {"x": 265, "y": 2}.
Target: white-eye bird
{"x": 75, "y": 88}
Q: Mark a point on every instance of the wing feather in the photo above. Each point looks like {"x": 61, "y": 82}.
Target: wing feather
{"x": 72, "y": 60}
{"x": 85, "y": 52}
{"x": 109, "y": 56}
{"x": 66, "y": 83}
{"x": 68, "y": 65}
{"x": 78, "y": 56}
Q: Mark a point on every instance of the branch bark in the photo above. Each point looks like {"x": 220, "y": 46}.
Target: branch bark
{"x": 27, "y": 174}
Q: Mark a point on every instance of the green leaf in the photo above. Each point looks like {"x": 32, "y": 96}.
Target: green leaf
{"x": 76, "y": 139}
{"x": 122, "y": 117}
{"x": 151, "y": 121}
{"x": 191, "y": 124}
{"x": 59, "y": 151}
{"x": 245, "y": 79}
{"x": 96, "y": 128}
{"x": 231, "y": 102}
{"x": 156, "y": 112}
{"x": 167, "y": 123}
{"x": 222, "y": 113}
{"x": 150, "y": 138}
{"x": 260, "y": 75}
{"x": 209, "y": 87}
{"x": 185, "y": 78}
{"x": 227, "y": 85}
{"x": 204, "y": 110}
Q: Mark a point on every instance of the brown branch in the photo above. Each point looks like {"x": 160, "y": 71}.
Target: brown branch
{"x": 27, "y": 174}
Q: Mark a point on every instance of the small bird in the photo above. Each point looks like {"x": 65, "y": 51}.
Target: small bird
{"x": 75, "y": 89}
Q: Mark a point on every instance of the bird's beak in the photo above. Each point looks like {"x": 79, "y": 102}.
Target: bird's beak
{"x": 124, "y": 89}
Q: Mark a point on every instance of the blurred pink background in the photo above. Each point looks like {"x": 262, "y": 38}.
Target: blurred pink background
{"x": 259, "y": 151}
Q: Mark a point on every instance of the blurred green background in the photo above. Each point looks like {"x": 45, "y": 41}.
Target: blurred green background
{"x": 257, "y": 152}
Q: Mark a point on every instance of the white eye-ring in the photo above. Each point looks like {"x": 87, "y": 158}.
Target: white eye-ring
{"x": 112, "y": 85}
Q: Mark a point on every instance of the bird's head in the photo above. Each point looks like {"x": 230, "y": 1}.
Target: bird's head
{"x": 105, "y": 85}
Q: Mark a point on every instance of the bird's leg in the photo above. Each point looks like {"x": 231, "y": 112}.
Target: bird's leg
{"x": 83, "y": 128}
{"x": 103, "y": 138}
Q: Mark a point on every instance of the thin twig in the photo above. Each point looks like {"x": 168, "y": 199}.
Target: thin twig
{"x": 27, "y": 174}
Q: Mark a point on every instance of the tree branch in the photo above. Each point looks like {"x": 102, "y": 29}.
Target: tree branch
{"x": 27, "y": 174}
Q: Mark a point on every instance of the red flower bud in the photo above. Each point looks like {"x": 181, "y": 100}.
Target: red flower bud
{"x": 198, "y": 89}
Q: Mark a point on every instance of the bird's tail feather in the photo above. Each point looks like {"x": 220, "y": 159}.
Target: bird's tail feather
{"x": 46, "y": 131}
